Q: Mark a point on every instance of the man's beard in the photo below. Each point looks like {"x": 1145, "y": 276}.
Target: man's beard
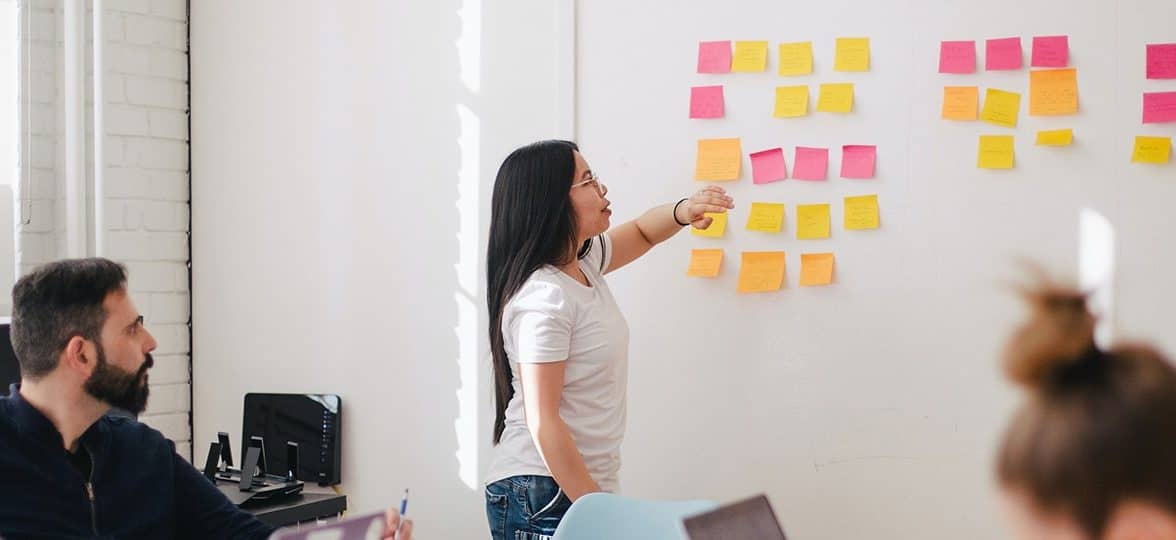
{"x": 117, "y": 387}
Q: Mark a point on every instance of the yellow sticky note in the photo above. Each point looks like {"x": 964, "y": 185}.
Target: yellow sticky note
{"x": 717, "y": 227}
{"x": 812, "y": 221}
{"x": 705, "y": 262}
{"x": 853, "y": 54}
{"x": 1152, "y": 150}
{"x": 836, "y": 97}
{"x": 1053, "y": 91}
{"x": 791, "y": 101}
{"x": 796, "y": 58}
{"x": 816, "y": 269}
{"x": 861, "y": 212}
{"x": 1001, "y": 108}
{"x": 761, "y": 271}
{"x": 1055, "y": 137}
{"x": 765, "y": 217}
{"x": 750, "y": 56}
{"x": 996, "y": 152}
{"x": 960, "y": 102}
{"x": 718, "y": 159}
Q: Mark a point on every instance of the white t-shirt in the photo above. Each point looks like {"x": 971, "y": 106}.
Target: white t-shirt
{"x": 552, "y": 318}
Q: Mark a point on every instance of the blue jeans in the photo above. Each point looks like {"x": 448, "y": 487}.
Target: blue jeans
{"x": 525, "y": 508}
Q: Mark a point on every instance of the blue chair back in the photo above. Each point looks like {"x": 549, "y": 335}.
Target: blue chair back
{"x": 604, "y": 515}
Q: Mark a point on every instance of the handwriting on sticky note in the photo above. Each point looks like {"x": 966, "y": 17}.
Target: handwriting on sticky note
{"x": 706, "y": 102}
{"x": 812, "y": 221}
{"x": 1053, "y": 92}
{"x": 836, "y": 98}
{"x": 1050, "y": 51}
{"x": 810, "y": 163}
{"x": 791, "y": 101}
{"x": 1055, "y": 137}
{"x": 750, "y": 57}
{"x": 714, "y": 57}
{"x": 957, "y": 57}
{"x": 768, "y": 166}
{"x": 857, "y": 160}
{"x": 761, "y": 271}
{"x": 996, "y": 152}
{"x": 861, "y": 212}
{"x": 1159, "y": 107}
{"x": 852, "y": 54}
{"x": 718, "y": 159}
{"x": 816, "y": 269}
{"x": 717, "y": 227}
{"x": 1002, "y": 54}
{"x": 960, "y": 102}
{"x": 1157, "y": 150}
{"x": 796, "y": 58}
{"x": 705, "y": 263}
{"x": 765, "y": 217}
{"x": 1001, "y": 107}
{"x": 1161, "y": 61}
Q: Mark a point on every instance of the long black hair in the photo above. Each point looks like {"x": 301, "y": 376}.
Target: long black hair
{"x": 531, "y": 224}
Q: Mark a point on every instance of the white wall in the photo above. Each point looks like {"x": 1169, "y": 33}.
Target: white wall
{"x": 146, "y": 159}
{"x": 9, "y": 146}
{"x": 870, "y": 408}
{"x": 342, "y": 158}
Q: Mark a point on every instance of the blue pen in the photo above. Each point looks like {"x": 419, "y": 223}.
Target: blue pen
{"x": 403, "y": 509}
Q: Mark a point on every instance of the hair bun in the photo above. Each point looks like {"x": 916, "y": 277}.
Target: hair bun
{"x": 1058, "y": 335}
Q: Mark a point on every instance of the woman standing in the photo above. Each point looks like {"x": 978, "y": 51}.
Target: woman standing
{"x": 558, "y": 340}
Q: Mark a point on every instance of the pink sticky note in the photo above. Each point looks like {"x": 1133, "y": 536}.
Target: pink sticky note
{"x": 1002, "y": 54}
{"x": 714, "y": 57}
{"x": 768, "y": 166}
{"x": 857, "y": 161}
{"x": 810, "y": 163}
{"x": 1161, "y": 61}
{"x": 957, "y": 57}
{"x": 1050, "y": 51}
{"x": 1159, "y": 107}
{"x": 706, "y": 102}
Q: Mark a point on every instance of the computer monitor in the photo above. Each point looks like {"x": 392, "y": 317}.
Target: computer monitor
{"x": 9, "y": 369}
{"x": 310, "y": 420}
{"x": 749, "y": 519}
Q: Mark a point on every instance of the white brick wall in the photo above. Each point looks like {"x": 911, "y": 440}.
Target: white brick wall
{"x": 146, "y": 155}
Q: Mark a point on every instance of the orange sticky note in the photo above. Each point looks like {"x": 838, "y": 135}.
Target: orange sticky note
{"x": 960, "y": 102}
{"x": 1001, "y": 108}
{"x": 718, "y": 159}
{"x": 717, "y": 227}
{"x": 1053, "y": 92}
{"x": 816, "y": 269}
{"x": 705, "y": 263}
{"x": 750, "y": 56}
{"x": 761, "y": 271}
{"x": 812, "y": 221}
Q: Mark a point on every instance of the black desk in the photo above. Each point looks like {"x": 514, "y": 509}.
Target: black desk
{"x": 301, "y": 508}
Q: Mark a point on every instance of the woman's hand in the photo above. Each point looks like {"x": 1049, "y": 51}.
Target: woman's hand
{"x": 710, "y": 199}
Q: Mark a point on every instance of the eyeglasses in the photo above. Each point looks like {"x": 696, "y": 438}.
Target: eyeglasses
{"x": 595, "y": 182}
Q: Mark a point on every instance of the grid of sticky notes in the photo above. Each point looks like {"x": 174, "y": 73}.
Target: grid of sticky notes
{"x": 1053, "y": 91}
{"x": 722, "y": 159}
{"x": 793, "y": 59}
{"x": 1158, "y": 107}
